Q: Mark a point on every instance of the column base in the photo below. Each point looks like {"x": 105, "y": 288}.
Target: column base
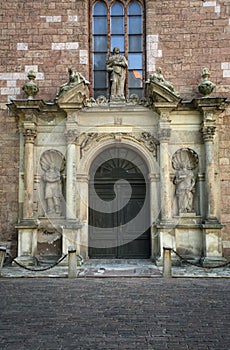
{"x": 174, "y": 259}
{"x": 214, "y": 261}
{"x": 25, "y": 261}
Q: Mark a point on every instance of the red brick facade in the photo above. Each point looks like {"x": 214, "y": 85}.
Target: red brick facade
{"x": 182, "y": 36}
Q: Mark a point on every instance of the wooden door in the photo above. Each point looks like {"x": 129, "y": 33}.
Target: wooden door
{"x": 118, "y": 230}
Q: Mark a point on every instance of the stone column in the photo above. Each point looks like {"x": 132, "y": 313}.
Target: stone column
{"x": 210, "y": 187}
{"x": 154, "y": 213}
{"x": 165, "y": 229}
{"x": 164, "y": 135}
{"x": 29, "y": 135}
{"x": 210, "y": 108}
{"x": 82, "y": 199}
{"x": 71, "y": 176}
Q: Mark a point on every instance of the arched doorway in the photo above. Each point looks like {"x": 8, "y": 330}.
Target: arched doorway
{"x": 119, "y": 223}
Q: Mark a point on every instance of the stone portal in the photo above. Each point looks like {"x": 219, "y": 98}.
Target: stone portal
{"x": 162, "y": 149}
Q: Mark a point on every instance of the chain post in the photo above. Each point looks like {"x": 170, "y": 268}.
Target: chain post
{"x": 72, "y": 263}
{"x": 167, "y": 262}
{"x": 2, "y": 257}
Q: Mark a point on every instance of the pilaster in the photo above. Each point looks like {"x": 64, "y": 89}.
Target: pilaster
{"x": 210, "y": 108}
{"x": 71, "y": 169}
{"x": 164, "y": 134}
{"x": 29, "y": 132}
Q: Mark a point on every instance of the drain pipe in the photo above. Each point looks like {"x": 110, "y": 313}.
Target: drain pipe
{"x": 167, "y": 262}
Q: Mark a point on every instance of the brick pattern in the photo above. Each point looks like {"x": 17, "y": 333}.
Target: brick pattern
{"x": 48, "y": 34}
{"x": 192, "y": 34}
{"x": 52, "y": 35}
{"x": 224, "y": 163}
{"x": 9, "y": 164}
{"x": 182, "y": 36}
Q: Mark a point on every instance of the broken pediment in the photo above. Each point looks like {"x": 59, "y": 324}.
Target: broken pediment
{"x": 157, "y": 92}
{"x": 76, "y": 94}
{"x": 75, "y": 91}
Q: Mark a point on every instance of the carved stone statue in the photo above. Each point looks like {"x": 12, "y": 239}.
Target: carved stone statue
{"x": 185, "y": 160}
{"x": 159, "y": 78}
{"x": 116, "y": 66}
{"x": 185, "y": 188}
{"x": 75, "y": 78}
{"x": 53, "y": 193}
{"x": 53, "y": 164}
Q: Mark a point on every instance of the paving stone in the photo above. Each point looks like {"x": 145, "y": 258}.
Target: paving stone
{"x": 121, "y": 313}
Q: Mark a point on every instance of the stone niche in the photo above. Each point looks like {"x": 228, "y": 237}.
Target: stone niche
{"x": 175, "y": 139}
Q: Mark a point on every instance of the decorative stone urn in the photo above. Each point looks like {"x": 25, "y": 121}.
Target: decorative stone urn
{"x": 30, "y": 88}
{"x": 206, "y": 87}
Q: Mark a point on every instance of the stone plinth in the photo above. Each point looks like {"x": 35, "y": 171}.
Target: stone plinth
{"x": 213, "y": 243}
{"x": 189, "y": 236}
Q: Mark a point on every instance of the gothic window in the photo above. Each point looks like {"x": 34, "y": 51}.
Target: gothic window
{"x": 117, "y": 24}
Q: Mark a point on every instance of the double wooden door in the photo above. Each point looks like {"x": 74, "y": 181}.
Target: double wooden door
{"x": 119, "y": 212}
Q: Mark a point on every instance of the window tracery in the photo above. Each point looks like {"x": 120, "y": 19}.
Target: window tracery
{"x": 118, "y": 24}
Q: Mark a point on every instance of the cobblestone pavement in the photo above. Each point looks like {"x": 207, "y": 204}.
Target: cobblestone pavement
{"x": 114, "y": 313}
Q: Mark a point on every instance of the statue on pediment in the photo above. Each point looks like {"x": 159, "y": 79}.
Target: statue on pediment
{"x": 160, "y": 89}
{"x": 158, "y": 78}
{"x": 75, "y": 78}
{"x": 116, "y": 66}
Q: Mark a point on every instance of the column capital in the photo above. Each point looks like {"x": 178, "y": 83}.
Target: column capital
{"x": 71, "y": 135}
{"x": 154, "y": 177}
{"x": 29, "y": 132}
{"x": 82, "y": 178}
{"x": 164, "y": 134}
{"x": 208, "y": 132}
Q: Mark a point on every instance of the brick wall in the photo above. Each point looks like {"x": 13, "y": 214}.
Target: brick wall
{"x": 182, "y": 36}
{"x": 9, "y": 165}
{"x": 47, "y": 36}
{"x": 224, "y": 162}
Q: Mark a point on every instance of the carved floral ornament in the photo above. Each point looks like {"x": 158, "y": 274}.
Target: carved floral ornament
{"x": 101, "y": 101}
{"x": 145, "y": 138}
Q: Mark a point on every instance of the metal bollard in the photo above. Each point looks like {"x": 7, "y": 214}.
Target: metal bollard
{"x": 72, "y": 263}
{"x": 167, "y": 263}
{"x": 2, "y": 257}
